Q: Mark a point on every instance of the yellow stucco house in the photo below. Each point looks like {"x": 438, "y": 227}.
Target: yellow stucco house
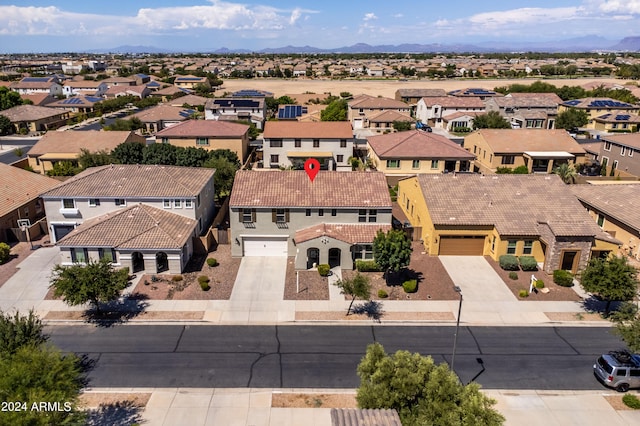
{"x": 522, "y": 215}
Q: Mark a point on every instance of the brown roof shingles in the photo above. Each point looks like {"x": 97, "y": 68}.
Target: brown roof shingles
{"x": 349, "y": 233}
{"x": 72, "y": 141}
{"x": 621, "y": 202}
{"x": 204, "y": 128}
{"x": 18, "y": 186}
{"x": 306, "y": 130}
{"x": 295, "y": 189}
{"x": 523, "y": 140}
{"x": 30, "y": 113}
{"x": 417, "y": 144}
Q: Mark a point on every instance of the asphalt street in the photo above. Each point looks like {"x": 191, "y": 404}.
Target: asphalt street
{"x": 542, "y": 358}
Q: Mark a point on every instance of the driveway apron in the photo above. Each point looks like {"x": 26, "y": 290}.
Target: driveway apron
{"x": 477, "y": 279}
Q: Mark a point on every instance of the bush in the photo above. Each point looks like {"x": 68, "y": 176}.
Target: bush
{"x": 563, "y": 278}
{"x": 5, "y": 251}
{"x": 323, "y": 269}
{"x": 508, "y": 262}
{"x": 410, "y": 286}
{"x": 539, "y": 284}
{"x": 205, "y": 286}
{"x": 176, "y": 278}
{"x": 523, "y": 293}
{"x": 212, "y": 261}
{"x": 528, "y": 263}
{"x": 382, "y": 294}
{"x": 513, "y": 275}
{"x": 631, "y": 401}
{"x": 367, "y": 266}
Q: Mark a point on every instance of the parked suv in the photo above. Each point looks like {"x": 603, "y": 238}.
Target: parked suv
{"x": 619, "y": 370}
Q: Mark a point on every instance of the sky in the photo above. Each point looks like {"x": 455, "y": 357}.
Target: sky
{"x": 28, "y": 26}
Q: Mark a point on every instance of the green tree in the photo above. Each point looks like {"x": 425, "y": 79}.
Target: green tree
{"x": 9, "y": 98}
{"x": 629, "y": 332}
{"x": 401, "y": 126}
{"x": 422, "y": 392}
{"x": 94, "y": 159}
{"x": 335, "y": 111}
{"x": 566, "y": 172}
{"x": 160, "y": 153}
{"x": 20, "y": 330}
{"x": 63, "y": 168}
{"x": 603, "y": 167}
{"x": 191, "y": 157}
{"x": 128, "y": 153}
{"x": 392, "y": 250}
{"x": 95, "y": 282}
{"x": 5, "y": 252}
{"x": 491, "y": 120}
{"x": 612, "y": 279}
{"x": 6, "y": 128}
{"x": 133, "y": 123}
{"x": 572, "y": 118}
{"x": 359, "y": 286}
{"x": 226, "y": 168}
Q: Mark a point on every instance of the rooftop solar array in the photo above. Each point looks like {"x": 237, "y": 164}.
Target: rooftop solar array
{"x": 623, "y": 117}
{"x": 237, "y": 103}
{"x": 609, "y": 104}
{"x": 250, "y": 93}
{"x": 187, "y": 113}
{"x": 291, "y": 112}
{"x": 474, "y": 92}
{"x": 36, "y": 79}
{"x": 573, "y": 102}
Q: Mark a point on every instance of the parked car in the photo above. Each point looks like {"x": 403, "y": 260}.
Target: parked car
{"x": 619, "y": 370}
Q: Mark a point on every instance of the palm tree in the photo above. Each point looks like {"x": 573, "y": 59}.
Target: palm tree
{"x": 566, "y": 172}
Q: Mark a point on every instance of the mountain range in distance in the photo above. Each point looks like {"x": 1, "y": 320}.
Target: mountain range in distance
{"x": 581, "y": 44}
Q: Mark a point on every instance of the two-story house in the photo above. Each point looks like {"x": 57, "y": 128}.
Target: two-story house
{"x": 596, "y": 107}
{"x": 432, "y": 110}
{"x": 144, "y": 217}
{"x": 190, "y": 81}
{"x": 234, "y": 109}
{"x": 412, "y": 96}
{"x": 36, "y": 85}
{"x": 291, "y": 143}
{"x": 363, "y": 107}
{"x": 622, "y": 152}
{"x": 84, "y": 87}
{"x": 526, "y": 110}
{"x": 332, "y": 220}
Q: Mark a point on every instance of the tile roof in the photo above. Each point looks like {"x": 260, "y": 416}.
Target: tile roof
{"x": 454, "y": 101}
{"x": 163, "y": 113}
{"x": 30, "y": 113}
{"x": 84, "y": 84}
{"x": 522, "y": 140}
{"x": 189, "y": 100}
{"x": 39, "y": 99}
{"x": 136, "y": 227}
{"x": 308, "y": 130}
{"x": 295, "y": 189}
{"x": 33, "y": 84}
{"x": 598, "y": 103}
{"x": 76, "y": 101}
{"x": 616, "y": 116}
{"x": 619, "y": 201}
{"x": 18, "y": 186}
{"x": 388, "y": 116}
{"x": 364, "y": 417}
{"x": 514, "y": 204}
{"x": 630, "y": 139}
{"x": 134, "y": 181}
{"x": 72, "y": 141}
{"x": 349, "y": 233}
{"x": 420, "y": 93}
{"x": 527, "y": 101}
{"x": 367, "y": 101}
{"x": 204, "y": 128}
{"x": 548, "y": 96}
{"x": 417, "y": 144}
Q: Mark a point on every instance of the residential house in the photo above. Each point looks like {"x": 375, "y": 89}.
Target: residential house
{"x": 84, "y": 87}
{"x": 32, "y": 118}
{"x": 332, "y": 220}
{"x": 383, "y": 121}
{"x": 37, "y": 85}
{"x": 362, "y": 107}
{"x": 124, "y": 90}
{"x": 539, "y": 150}
{"x": 459, "y": 121}
{"x": 208, "y": 134}
{"x": 617, "y": 121}
{"x": 520, "y": 215}
{"x": 291, "y": 143}
{"x": 170, "y": 92}
{"x": 39, "y": 99}
{"x": 190, "y": 82}
{"x": 432, "y": 110}
{"x": 412, "y": 96}
{"x": 622, "y": 152}
{"x": 119, "y": 81}
{"x": 76, "y": 104}
{"x": 475, "y": 92}
{"x": 144, "y": 217}
{"x": 191, "y": 101}
{"x": 162, "y": 116}
{"x": 234, "y": 109}
{"x": 54, "y": 147}
{"x": 614, "y": 207}
{"x": 411, "y": 152}
{"x": 20, "y": 194}
{"x": 596, "y": 107}
{"x": 526, "y": 110}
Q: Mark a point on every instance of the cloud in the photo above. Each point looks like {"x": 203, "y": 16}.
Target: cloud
{"x": 620, "y": 6}
{"x": 295, "y": 15}
{"x": 398, "y": 15}
{"x": 369, "y": 16}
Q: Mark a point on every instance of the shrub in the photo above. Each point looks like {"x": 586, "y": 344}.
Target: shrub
{"x": 382, "y": 294}
{"x": 323, "y": 269}
{"x": 539, "y": 284}
{"x": 521, "y": 170}
{"x": 5, "y": 250}
{"x": 410, "y": 286}
{"x": 205, "y": 286}
{"x": 367, "y": 266}
{"x": 513, "y": 275}
{"x": 508, "y": 262}
{"x": 631, "y": 401}
{"x": 212, "y": 261}
{"x": 563, "y": 278}
{"x": 523, "y": 293}
{"x": 528, "y": 263}
{"x": 176, "y": 278}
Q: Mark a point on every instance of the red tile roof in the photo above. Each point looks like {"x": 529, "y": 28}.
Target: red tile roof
{"x": 417, "y": 144}
{"x": 349, "y": 233}
{"x": 204, "y": 128}
{"x": 72, "y": 141}
{"x": 18, "y": 186}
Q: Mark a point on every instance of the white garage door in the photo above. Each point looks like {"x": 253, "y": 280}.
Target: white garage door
{"x": 265, "y": 246}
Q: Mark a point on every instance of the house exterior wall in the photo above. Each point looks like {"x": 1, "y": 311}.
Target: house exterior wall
{"x": 32, "y": 210}
{"x": 406, "y": 167}
{"x": 346, "y": 256}
{"x": 238, "y": 145}
{"x": 355, "y": 112}
{"x": 411, "y": 201}
{"x": 433, "y": 114}
{"x": 629, "y": 237}
{"x": 556, "y": 246}
{"x": 306, "y": 145}
{"x": 628, "y": 163}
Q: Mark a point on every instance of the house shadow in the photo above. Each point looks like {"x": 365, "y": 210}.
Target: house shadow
{"x": 196, "y": 263}
{"x": 372, "y": 309}
{"x": 117, "y": 311}
{"x": 115, "y": 414}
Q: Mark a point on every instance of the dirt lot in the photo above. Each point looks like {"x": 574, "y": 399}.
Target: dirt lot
{"x": 313, "y": 400}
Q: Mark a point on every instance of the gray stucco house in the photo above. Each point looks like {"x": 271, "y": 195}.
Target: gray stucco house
{"x": 333, "y": 219}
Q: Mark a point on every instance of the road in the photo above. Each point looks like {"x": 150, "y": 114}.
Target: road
{"x": 8, "y": 156}
{"x": 558, "y": 358}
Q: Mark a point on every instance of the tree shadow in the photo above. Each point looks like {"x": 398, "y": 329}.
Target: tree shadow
{"x": 372, "y": 309}
{"x": 117, "y": 311}
{"x": 394, "y": 279}
{"x": 116, "y": 414}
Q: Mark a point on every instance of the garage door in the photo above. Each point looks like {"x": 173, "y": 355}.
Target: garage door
{"x": 264, "y": 246}
{"x": 461, "y": 245}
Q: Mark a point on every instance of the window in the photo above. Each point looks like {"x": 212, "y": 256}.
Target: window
{"x": 202, "y": 141}
{"x": 607, "y": 146}
{"x": 334, "y": 212}
{"x": 343, "y": 143}
{"x": 198, "y": 201}
{"x": 38, "y": 207}
{"x": 94, "y": 202}
{"x": 165, "y": 140}
{"x": 393, "y": 164}
{"x": 362, "y": 215}
{"x": 120, "y": 202}
{"x": 508, "y": 159}
{"x": 177, "y": 204}
{"x": 415, "y": 164}
{"x": 622, "y": 151}
{"x": 373, "y": 215}
{"x": 600, "y": 220}
{"x": 275, "y": 158}
{"x": 166, "y": 204}
{"x": 107, "y": 254}
{"x": 511, "y": 247}
{"x": 68, "y": 203}
{"x": 493, "y": 244}
{"x": 307, "y": 212}
{"x": 434, "y": 164}
{"x": 26, "y": 211}
{"x": 474, "y": 149}
{"x": 363, "y": 251}
{"x": 188, "y": 204}
{"x": 491, "y": 158}
{"x": 79, "y": 255}
{"x": 275, "y": 143}
{"x": 316, "y": 143}
{"x": 320, "y": 212}
{"x": 340, "y": 158}
{"x": 247, "y": 216}
{"x": 297, "y": 143}
{"x": 281, "y": 216}
{"x": 615, "y": 164}
{"x": 630, "y": 152}
{"x": 528, "y": 247}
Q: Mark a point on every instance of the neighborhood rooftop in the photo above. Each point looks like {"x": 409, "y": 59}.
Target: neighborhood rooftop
{"x": 620, "y": 201}
{"x": 416, "y": 144}
{"x": 19, "y": 186}
{"x": 196, "y": 128}
{"x": 523, "y": 140}
{"x": 297, "y": 130}
{"x": 75, "y": 140}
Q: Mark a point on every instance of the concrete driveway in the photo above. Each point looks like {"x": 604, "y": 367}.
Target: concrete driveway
{"x": 477, "y": 279}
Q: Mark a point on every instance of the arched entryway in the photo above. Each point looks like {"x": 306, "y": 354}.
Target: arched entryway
{"x": 137, "y": 262}
{"x": 334, "y": 257}
{"x": 313, "y": 257}
{"x": 162, "y": 262}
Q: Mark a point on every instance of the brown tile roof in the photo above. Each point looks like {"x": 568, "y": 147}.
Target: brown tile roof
{"x": 454, "y": 101}
{"x": 18, "y": 186}
{"x": 307, "y": 130}
{"x": 134, "y": 181}
{"x": 364, "y": 417}
{"x": 33, "y": 84}
{"x": 30, "y": 113}
{"x": 587, "y": 103}
{"x": 295, "y": 189}
{"x": 528, "y": 102}
{"x": 421, "y": 93}
{"x": 189, "y": 100}
{"x": 169, "y": 90}
{"x": 514, "y": 204}
{"x": 72, "y": 141}
{"x": 204, "y": 128}
{"x": 631, "y": 139}
{"x": 161, "y": 113}
{"x": 389, "y": 116}
{"x": 619, "y": 201}
{"x": 89, "y": 84}
{"x": 349, "y": 233}
{"x": 366, "y": 101}
{"x": 39, "y": 99}
{"x": 451, "y": 117}
{"x": 550, "y": 97}
{"x": 522, "y": 140}
{"x": 617, "y": 116}
{"x": 417, "y": 144}
{"x": 136, "y": 227}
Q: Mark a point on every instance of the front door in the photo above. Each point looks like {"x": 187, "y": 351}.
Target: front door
{"x": 313, "y": 257}
{"x": 162, "y": 262}
{"x": 137, "y": 262}
{"x": 570, "y": 260}
{"x": 334, "y": 257}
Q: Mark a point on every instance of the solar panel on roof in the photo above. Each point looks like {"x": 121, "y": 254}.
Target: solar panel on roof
{"x": 623, "y": 117}
{"x": 35, "y": 79}
{"x": 238, "y": 103}
{"x": 573, "y": 102}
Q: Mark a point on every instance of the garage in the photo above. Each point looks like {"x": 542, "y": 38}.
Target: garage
{"x": 265, "y": 246}
{"x": 461, "y": 245}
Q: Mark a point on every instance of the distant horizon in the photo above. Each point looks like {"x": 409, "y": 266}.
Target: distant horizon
{"x": 58, "y": 26}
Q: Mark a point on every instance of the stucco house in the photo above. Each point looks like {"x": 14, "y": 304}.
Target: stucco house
{"x": 84, "y": 87}
{"x": 332, "y": 220}
{"x": 522, "y": 215}
{"x": 236, "y": 108}
{"x": 32, "y": 118}
{"x": 432, "y": 110}
{"x": 596, "y": 107}
{"x": 35, "y": 85}
{"x": 363, "y": 107}
{"x": 527, "y": 110}
{"x": 190, "y": 81}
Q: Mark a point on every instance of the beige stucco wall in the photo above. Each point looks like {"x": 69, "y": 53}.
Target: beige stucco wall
{"x": 238, "y": 145}
{"x": 406, "y": 166}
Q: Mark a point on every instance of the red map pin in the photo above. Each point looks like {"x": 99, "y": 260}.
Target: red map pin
{"x": 312, "y": 167}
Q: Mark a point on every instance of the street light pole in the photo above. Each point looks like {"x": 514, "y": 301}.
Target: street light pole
{"x": 455, "y": 336}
